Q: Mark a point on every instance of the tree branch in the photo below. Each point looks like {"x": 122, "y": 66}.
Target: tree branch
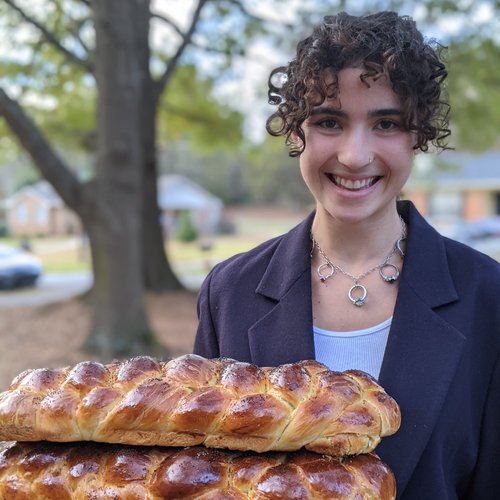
{"x": 176, "y": 28}
{"x": 253, "y": 17}
{"x": 77, "y": 35}
{"x": 51, "y": 38}
{"x": 245, "y": 12}
{"x": 168, "y": 21}
{"x": 186, "y": 40}
{"x": 44, "y": 157}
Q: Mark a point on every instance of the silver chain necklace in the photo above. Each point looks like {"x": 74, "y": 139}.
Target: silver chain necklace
{"x": 358, "y": 293}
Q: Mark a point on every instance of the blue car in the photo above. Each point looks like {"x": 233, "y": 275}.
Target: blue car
{"x": 18, "y": 268}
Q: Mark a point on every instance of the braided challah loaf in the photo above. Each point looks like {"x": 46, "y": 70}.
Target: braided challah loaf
{"x": 77, "y": 471}
{"x": 190, "y": 400}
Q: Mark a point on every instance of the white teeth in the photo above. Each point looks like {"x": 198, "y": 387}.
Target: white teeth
{"x": 353, "y": 185}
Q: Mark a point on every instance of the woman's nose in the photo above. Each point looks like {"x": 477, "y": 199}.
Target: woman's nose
{"x": 355, "y": 150}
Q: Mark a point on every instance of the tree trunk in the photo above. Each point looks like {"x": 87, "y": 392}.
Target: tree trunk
{"x": 157, "y": 272}
{"x": 120, "y": 327}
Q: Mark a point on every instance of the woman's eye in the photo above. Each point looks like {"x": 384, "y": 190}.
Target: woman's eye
{"x": 328, "y": 123}
{"x": 387, "y": 125}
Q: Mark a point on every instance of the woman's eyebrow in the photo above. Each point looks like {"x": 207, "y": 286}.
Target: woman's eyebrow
{"x": 385, "y": 112}
{"x": 326, "y": 110}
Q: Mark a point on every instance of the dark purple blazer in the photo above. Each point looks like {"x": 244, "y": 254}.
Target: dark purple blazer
{"x": 441, "y": 363}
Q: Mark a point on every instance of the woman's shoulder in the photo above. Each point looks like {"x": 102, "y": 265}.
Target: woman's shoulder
{"x": 471, "y": 262}
{"x": 258, "y": 255}
{"x": 251, "y": 264}
{"x": 465, "y": 262}
{"x": 232, "y": 278}
{"x": 462, "y": 251}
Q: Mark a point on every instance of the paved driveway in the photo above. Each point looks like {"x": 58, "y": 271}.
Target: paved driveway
{"x": 51, "y": 287}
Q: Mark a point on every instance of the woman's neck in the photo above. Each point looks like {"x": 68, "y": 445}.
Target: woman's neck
{"x": 357, "y": 243}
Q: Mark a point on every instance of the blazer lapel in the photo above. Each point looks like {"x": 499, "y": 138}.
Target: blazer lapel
{"x": 284, "y": 335}
{"x": 423, "y": 350}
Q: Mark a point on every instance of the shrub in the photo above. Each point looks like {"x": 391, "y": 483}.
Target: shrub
{"x": 186, "y": 231}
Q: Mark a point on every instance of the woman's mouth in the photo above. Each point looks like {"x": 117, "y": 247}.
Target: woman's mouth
{"x": 353, "y": 185}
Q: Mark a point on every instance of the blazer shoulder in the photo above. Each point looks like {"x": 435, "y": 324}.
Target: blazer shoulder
{"x": 476, "y": 277}
{"x": 245, "y": 270}
{"x": 245, "y": 265}
{"x": 472, "y": 262}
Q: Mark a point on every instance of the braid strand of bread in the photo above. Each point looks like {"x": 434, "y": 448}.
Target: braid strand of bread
{"x": 190, "y": 400}
{"x": 79, "y": 471}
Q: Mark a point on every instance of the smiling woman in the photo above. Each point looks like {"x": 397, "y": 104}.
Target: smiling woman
{"x": 364, "y": 282}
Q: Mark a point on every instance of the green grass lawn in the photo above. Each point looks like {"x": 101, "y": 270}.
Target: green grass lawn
{"x": 67, "y": 260}
{"x": 60, "y": 255}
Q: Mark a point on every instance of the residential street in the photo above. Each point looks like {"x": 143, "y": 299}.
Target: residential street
{"x": 54, "y": 287}
{"x": 51, "y": 288}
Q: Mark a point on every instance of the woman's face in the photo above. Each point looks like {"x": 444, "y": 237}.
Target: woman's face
{"x": 358, "y": 156}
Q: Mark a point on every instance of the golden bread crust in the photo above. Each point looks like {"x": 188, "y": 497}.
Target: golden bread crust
{"x": 191, "y": 401}
{"x": 80, "y": 471}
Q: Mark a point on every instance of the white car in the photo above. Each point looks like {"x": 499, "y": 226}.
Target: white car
{"x": 481, "y": 229}
{"x": 18, "y": 267}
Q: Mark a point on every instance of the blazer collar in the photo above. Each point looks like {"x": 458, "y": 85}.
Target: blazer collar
{"x": 285, "y": 334}
{"x": 426, "y": 267}
{"x": 289, "y": 262}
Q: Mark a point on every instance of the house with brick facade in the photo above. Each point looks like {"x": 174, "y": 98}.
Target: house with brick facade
{"x": 37, "y": 210}
{"x": 455, "y": 186}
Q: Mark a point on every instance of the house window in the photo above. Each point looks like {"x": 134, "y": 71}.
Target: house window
{"x": 42, "y": 215}
{"x": 22, "y": 214}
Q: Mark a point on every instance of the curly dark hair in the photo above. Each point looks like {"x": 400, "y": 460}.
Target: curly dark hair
{"x": 383, "y": 44}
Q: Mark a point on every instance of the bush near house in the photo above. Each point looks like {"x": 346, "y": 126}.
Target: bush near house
{"x": 186, "y": 232}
